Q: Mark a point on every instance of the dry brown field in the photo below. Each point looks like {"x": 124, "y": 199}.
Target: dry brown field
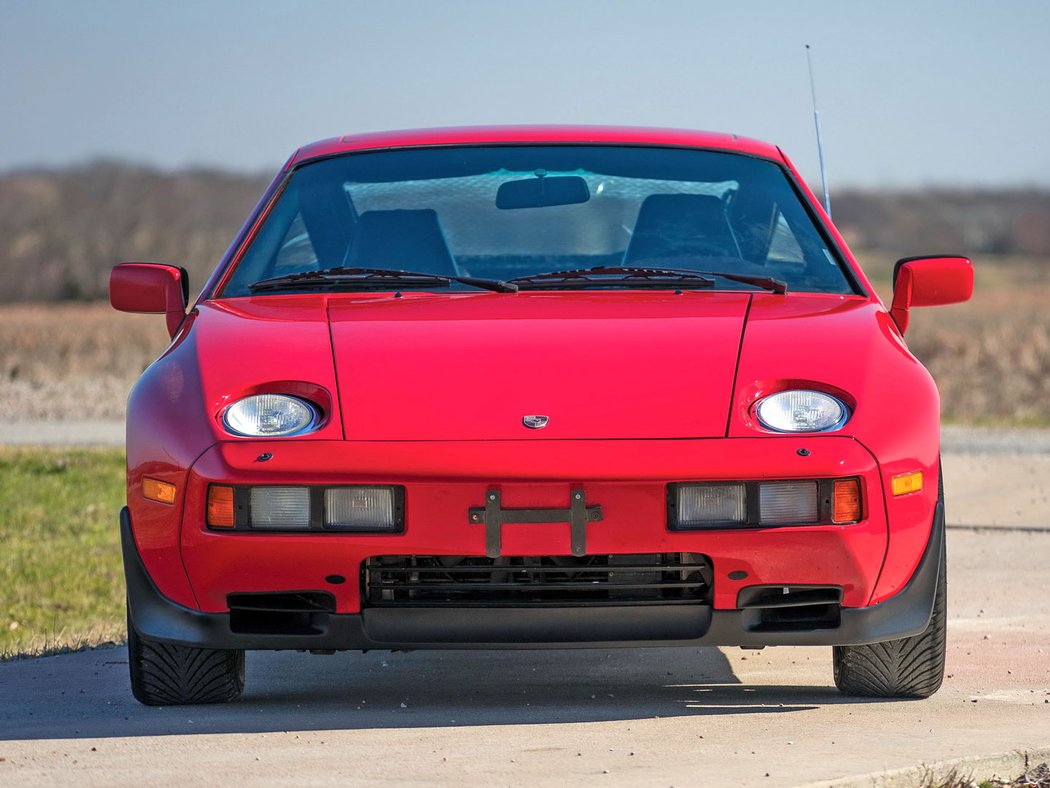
{"x": 72, "y": 361}
{"x": 990, "y": 357}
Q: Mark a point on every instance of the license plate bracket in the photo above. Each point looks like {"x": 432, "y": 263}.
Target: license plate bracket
{"x": 492, "y": 515}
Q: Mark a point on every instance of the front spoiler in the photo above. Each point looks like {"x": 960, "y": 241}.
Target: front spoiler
{"x": 904, "y": 614}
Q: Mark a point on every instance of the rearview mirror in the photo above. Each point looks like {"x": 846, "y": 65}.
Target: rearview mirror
{"x": 929, "y": 281}
{"x": 152, "y": 288}
{"x": 542, "y": 191}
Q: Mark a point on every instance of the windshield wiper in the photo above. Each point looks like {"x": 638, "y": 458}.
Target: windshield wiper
{"x": 638, "y": 276}
{"x": 644, "y": 276}
{"x": 373, "y": 277}
{"x": 778, "y": 286}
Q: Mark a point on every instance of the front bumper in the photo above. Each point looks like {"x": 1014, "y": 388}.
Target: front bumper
{"x": 446, "y": 482}
{"x": 906, "y": 613}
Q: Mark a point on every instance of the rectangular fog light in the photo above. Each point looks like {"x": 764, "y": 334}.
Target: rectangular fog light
{"x": 787, "y": 503}
{"x": 711, "y": 505}
{"x": 360, "y": 509}
{"x": 280, "y": 507}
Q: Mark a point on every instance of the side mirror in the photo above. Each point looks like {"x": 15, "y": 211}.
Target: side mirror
{"x": 152, "y": 288}
{"x": 929, "y": 281}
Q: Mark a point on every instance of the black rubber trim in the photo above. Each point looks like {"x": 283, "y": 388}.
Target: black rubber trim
{"x": 905, "y": 614}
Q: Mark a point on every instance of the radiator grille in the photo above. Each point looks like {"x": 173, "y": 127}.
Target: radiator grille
{"x": 536, "y": 581}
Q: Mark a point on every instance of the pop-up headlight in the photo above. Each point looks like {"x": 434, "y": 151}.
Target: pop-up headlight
{"x": 801, "y": 410}
{"x": 270, "y": 416}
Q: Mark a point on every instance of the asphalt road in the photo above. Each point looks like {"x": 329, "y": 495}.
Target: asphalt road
{"x": 627, "y": 717}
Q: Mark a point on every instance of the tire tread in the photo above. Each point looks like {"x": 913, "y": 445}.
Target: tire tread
{"x": 910, "y": 667}
{"x": 166, "y": 674}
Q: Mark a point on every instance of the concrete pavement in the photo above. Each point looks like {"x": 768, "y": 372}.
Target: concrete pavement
{"x": 624, "y": 717}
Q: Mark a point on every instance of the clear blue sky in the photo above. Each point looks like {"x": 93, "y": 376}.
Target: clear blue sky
{"x": 911, "y": 93}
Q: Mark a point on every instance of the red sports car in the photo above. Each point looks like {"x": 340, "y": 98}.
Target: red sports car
{"x": 534, "y": 387}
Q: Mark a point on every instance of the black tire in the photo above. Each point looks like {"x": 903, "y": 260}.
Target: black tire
{"x": 163, "y": 674}
{"x": 906, "y": 668}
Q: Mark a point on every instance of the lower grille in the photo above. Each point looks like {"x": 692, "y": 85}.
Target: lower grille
{"x": 536, "y": 581}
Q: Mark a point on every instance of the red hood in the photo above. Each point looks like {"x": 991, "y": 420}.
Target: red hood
{"x": 469, "y": 366}
{"x": 246, "y": 345}
{"x": 845, "y": 344}
{"x": 599, "y": 365}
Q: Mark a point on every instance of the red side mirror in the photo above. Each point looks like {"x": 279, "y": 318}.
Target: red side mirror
{"x": 929, "y": 281}
{"x": 152, "y": 288}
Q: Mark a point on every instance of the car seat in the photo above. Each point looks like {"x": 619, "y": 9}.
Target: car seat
{"x": 411, "y": 240}
{"x": 687, "y": 226}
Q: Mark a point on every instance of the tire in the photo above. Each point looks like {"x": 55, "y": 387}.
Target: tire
{"x": 164, "y": 674}
{"x": 910, "y": 667}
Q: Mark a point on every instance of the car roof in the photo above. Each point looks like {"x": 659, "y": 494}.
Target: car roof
{"x": 490, "y": 135}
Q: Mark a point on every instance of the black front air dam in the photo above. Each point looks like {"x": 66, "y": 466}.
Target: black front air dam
{"x": 158, "y": 618}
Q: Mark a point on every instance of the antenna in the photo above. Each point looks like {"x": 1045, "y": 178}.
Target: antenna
{"x": 820, "y": 141}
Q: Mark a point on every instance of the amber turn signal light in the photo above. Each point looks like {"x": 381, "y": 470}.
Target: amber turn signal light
{"x": 904, "y": 483}
{"x": 156, "y": 490}
{"x": 220, "y": 507}
{"x": 846, "y": 501}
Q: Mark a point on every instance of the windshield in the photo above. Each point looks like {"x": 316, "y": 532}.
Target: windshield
{"x": 508, "y": 212}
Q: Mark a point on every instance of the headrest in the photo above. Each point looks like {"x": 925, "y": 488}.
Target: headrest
{"x": 680, "y": 225}
{"x": 405, "y": 239}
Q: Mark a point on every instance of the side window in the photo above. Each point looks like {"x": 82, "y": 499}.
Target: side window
{"x": 783, "y": 246}
{"x": 296, "y": 252}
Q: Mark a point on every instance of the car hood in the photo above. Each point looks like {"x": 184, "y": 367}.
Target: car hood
{"x": 471, "y": 366}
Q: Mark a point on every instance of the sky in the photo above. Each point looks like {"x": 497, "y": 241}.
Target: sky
{"x": 911, "y": 94}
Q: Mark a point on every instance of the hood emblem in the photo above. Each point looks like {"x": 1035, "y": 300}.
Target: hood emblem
{"x": 535, "y": 422}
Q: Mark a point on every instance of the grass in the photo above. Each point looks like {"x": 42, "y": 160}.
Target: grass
{"x": 61, "y": 582}
{"x": 71, "y": 361}
{"x": 1034, "y": 777}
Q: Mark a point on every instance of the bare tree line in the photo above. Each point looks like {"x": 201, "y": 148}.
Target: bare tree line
{"x": 62, "y": 230}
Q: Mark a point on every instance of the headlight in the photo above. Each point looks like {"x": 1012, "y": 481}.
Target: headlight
{"x": 270, "y": 415}
{"x": 801, "y": 411}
